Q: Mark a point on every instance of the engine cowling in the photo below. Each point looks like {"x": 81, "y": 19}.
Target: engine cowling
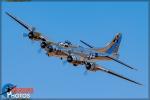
{"x": 43, "y": 44}
{"x": 69, "y": 58}
{"x": 50, "y": 48}
{"x": 31, "y": 35}
{"x": 89, "y": 66}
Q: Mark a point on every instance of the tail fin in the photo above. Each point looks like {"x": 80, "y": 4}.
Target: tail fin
{"x": 112, "y": 48}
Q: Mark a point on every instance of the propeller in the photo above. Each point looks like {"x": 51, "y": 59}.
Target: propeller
{"x": 64, "y": 62}
{"x": 25, "y": 35}
{"x": 85, "y": 72}
{"x": 40, "y": 50}
{"x": 33, "y": 29}
{"x": 32, "y": 42}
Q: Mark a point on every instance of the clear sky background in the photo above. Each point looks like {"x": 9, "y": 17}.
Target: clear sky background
{"x": 94, "y": 22}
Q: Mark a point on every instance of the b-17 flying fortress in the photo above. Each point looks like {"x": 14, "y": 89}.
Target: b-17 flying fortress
{"x": 78, "y": 55}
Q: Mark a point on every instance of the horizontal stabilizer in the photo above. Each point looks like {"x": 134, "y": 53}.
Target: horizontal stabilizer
{"x": 86, "y": 44}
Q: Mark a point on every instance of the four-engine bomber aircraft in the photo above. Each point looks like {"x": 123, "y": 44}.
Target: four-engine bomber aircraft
{"x": 78, "y": 55}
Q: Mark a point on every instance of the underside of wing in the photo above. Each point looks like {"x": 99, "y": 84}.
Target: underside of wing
{"x": 115, "y": 74}
{"x": 29, "y": 28}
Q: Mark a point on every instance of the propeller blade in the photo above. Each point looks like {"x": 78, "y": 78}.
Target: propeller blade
{"x": 85, "y": 72}
{"x": 64, "y": 62}
{"x": 40, "y": 50}
{"x": 32, "y": 42}
{"x": 25, "y": 35}
{"x": 121, "y": 62}
{"x": 33, "y": 29}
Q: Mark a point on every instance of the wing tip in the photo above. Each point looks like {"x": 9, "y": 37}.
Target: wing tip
{"x": 139, "y": 83}
{"x": 133, "y": 68}
{"x": 6, "y": 13}
{"x": 113, "y": 73}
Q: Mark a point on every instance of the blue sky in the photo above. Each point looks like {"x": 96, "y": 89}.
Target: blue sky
{"x": 94, "y": 22}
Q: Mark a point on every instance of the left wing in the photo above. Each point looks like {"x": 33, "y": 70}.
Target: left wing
{"x": 115, "y": 74}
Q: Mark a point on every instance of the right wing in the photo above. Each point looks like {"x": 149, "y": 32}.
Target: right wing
{"x": 29, "y": 28}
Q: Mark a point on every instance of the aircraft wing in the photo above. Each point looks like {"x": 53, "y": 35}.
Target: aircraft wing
{"x": 115, "y": 74}
{"x": 121, "y": 62}
{"x": 29, "y": 28}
